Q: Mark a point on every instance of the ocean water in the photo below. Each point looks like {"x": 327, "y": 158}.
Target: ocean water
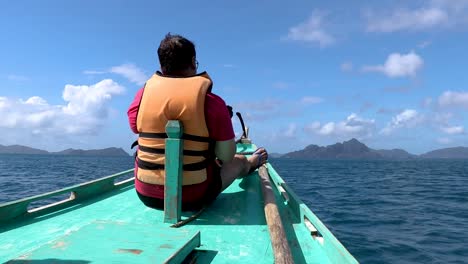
{"x": 388, "y": 211}
{"x": 27, "y": 175}
{"x": 382, "y": 211}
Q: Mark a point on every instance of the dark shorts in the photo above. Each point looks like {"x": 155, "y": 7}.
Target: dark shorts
{"x": 213, "y": 190}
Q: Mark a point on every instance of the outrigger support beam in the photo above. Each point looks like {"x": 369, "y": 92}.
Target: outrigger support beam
{"x": 279, "y": 241}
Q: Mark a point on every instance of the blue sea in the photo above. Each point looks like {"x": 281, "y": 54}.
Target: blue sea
{"x": 382, "y": 211}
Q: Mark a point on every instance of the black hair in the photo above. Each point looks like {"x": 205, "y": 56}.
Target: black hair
{"x": 175, "y": 54}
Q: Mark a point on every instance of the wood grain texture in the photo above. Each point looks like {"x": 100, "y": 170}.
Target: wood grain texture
{"x": 279, "y": 241}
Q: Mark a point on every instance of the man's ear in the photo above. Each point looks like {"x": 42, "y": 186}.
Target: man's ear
{"x": 194, "y": 62}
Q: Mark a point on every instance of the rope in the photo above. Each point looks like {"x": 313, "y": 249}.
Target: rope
{"x": 190, "y": 219}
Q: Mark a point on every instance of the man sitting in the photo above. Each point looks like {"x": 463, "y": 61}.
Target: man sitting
{"x": 179, "y": 93}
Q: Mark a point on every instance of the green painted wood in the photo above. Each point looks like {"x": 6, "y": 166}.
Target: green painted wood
{"x": 184, "y": 250}
{"x": 116, "y": 242}
{"x": 78, "y": 193}
{"x": 233, "y": 227}
{"x": 173, "y": 168}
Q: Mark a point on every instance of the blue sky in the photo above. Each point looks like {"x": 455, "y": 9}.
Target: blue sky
{"x": 390, "y": 73}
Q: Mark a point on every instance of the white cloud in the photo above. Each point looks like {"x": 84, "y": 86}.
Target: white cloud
{"x": 307, "y": 100}
{"x": 398, "y": 65}
{"x": 84, "y": 111}
{"x": 435, "y": 14}
{"x": 427, "y": 102}
{"x": 442, "y": 118}
{"x": 36, "y": 100}
{"x": 312, "y": 127}
{"x": 259, "y": 110}
{"x": 407, "y": 118}
{"x": 311, "y": 31}
{"x": 346, "y": 66}
{"x": 18, "y": 78}
{"x": 291, "y": 131}
{"x": 404, "y": 117}
{"x": 453, "y": 99}
{"x": 404, "y": 19}
{"x": 353, "y": 126}
{"x": 453, "y": 130}
{"x": 129, "y": 71}
{"x": 424, "y": 44}
{"x": 91, "y": 72}
{"x": 444, "y": 140}
{"x": 281, "y": 85}
{"x": 282, "y": 134}
{"x": 455, "y": 8}
{"x": 86, "y": 99}
{"x": 4, "y": 102}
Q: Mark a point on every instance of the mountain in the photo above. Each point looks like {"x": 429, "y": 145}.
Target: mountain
{"x": 395, "y": 154}
{"x": 93, "y": 152}
{"x": 18, "y": 149}
{"x": 352, "y": 149}
{"x": 275, "y": 155}
{"x": 447, "y": 153}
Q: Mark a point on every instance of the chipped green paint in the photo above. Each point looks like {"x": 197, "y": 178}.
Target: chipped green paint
{"x": 104, "y": 242}
{"x": 173, "y": 169}
{"x": 116, "y": 223}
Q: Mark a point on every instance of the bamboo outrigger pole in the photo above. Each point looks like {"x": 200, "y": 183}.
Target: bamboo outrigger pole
{"x": 278, "y": 238}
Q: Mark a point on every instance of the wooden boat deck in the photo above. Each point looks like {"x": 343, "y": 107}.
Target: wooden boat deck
{"x": 117, "y": 228}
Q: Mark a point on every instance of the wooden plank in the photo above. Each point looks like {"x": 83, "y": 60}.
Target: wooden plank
{"x": 184, "y": 250}
{"x": 115, "y": 242}
{"x": 173, "y": 168}
{"x": 279, "y": 241}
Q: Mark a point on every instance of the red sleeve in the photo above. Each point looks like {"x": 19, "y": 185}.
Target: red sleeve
{"x": 217, "y": 118}
{"x": 133, "y": 110}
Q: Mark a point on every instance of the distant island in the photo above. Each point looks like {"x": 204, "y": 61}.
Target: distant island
{"x": 18, "y": 149}
{"x": 354, "y": 149}
{"x": 351, "y": 149}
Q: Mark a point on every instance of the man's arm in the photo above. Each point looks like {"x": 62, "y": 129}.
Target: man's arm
{"x": 132, "y": 112}
{"x": 218, "y": 121}
{"x": 225, "y": 150}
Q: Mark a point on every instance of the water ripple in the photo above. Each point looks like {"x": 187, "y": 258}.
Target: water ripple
{"x": 388, "y": 211}
{"x": 27, "y": 175}
{"x": 382, "y": 211}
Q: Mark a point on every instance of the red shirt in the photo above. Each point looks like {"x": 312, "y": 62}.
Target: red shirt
{"x": 219, "y": 127}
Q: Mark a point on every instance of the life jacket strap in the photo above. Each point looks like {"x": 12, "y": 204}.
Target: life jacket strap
{"x": 202, "y": 153}
{"x": 145, "y": 165}
{"x": 184, "y": 136}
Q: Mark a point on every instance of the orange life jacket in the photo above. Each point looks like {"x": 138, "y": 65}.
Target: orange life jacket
{"x": 173, "y": 98}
